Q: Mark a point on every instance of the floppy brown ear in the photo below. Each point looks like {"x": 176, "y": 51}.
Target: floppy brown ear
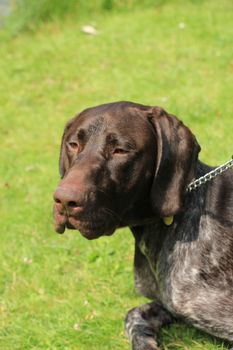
{"x": 63, "y": 158}
{"x": 177, "y": 152}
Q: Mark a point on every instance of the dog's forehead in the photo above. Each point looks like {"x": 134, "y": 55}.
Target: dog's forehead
{"x": 124, "y": 119}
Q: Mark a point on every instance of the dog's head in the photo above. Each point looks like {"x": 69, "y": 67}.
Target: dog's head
{"x": 122, "y": 164}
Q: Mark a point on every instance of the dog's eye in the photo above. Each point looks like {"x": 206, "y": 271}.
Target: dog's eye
{"x": 119, "y": 151}
{"x": 73, "y": 146}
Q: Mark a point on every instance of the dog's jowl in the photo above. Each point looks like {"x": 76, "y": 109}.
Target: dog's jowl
{"x": 125, "y": 164}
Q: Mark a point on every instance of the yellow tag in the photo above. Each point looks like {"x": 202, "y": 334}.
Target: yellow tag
{"x": 168, "y": 220}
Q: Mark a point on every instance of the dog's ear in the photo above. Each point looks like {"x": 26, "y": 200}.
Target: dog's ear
{"x": 177, "y": 152}
{"x": 63, "y": 158}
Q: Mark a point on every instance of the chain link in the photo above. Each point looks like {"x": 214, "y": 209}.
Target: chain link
{"x": 209, "y": 176}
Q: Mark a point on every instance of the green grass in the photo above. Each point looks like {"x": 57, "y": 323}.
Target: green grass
{"x": 31, "y": 14}
{"x": 64, "y": 292}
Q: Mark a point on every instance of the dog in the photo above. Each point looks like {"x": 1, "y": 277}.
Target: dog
{"x": 126, "y": 164}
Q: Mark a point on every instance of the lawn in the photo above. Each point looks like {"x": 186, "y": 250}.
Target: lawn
{"x": 62, "y": 291}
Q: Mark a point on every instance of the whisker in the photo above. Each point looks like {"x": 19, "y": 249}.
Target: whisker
{"x": 103, "y": 191}
{"x": 112, "y": 213}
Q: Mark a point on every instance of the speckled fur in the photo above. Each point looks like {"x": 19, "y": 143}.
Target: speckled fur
{"x": 188, "y": 266}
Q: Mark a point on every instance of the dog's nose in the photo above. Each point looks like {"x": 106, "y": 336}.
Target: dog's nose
{"x": 70, "y": 199}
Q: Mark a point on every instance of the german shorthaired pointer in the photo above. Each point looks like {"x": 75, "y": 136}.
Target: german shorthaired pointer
{"x": 125, "y": 164}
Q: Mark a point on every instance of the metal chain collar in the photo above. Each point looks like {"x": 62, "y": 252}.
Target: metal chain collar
{"x": 209, "y": 176}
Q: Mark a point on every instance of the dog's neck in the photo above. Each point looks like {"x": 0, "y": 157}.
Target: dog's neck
{"x": 202, "y": 169}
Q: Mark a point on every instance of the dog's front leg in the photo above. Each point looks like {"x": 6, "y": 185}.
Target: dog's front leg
{"x": 142, "y": 325}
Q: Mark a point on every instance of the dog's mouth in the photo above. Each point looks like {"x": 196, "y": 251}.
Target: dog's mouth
{"x": 90, "y": 228}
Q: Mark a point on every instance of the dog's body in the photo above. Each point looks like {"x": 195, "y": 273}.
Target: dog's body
{"x": 128, "y": 164}
{"x": 192, "y": 259}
